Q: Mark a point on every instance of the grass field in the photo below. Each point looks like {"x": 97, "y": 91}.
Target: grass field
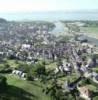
{"x": 19, "y": 89}
{"x": 14, "y": 63}
{"x": 24, "y": 90}
{"x": 91, "y": 31}
{"x": 51, "y": 66}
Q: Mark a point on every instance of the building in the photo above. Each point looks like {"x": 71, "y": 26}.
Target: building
{"x": 84, "y": 92}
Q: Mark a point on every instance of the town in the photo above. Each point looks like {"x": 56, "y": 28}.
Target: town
{"x": 36, "y": 64}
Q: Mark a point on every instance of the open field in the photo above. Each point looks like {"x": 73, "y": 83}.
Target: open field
{"x": 91, "y": 31}
{"x": 20, "y": 89}
{"x": 24, "y": 90}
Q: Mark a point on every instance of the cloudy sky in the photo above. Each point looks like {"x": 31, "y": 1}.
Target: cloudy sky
{"x": 10, "y": 6}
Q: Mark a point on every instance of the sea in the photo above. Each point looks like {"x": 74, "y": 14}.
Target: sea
{"x": 51, "y": 16}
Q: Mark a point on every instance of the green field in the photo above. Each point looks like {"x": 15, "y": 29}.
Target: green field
{"x": 92, "y": 31}
{"x": 19, "y": 89}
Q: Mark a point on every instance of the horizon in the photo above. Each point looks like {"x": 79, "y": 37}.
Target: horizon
{"x": 51, "y": 15}
{"x": 48, "y": 9}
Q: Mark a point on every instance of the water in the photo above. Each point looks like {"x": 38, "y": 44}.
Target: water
{"x": 59, "y": 29}
{"x": 51, "y": 16}
{"x": 90, "y": 39}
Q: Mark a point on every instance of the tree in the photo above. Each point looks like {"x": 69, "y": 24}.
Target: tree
{"x": 24, "y": 68}
{"x": 5, "y": 68}
{"x": 63, "y": 39}
{"x": 56, "y": 92}
{"x": 3, "y": 84}
{"x": 72, "y": 28}
{"x": 37, "y": 70}
{"x": 95, "y": 98}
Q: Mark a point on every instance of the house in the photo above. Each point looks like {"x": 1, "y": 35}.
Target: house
{"x": 19, "y": 73}
{"x": 67, "y": 68}
{"x": 23, "y": 76}
{"x": 94, "y": 77}
{"x": 26, "y": 46}
{"x": 83, "y": 69}
{"x": 84, "y": 44}
{"x": 1, "y": 53}
{"x": 84, "y": 92}
{"x": 71, "y": 86}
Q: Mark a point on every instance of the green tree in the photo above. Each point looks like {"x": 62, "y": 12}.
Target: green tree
{"x": 3, "y": 84}
{"x": 37, "y": 70}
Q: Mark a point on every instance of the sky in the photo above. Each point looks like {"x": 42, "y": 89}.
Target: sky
{"x": 14, "y": 6}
